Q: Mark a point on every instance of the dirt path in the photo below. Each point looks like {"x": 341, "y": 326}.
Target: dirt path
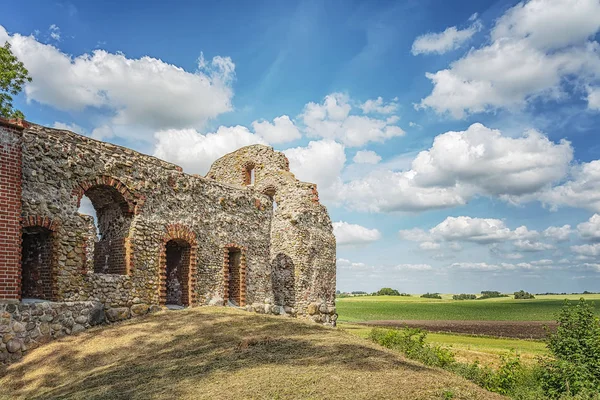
{"x": 513, "y": 329}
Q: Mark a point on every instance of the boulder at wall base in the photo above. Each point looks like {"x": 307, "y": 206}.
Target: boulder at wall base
{"x": 13, "y": 345}
{"x": 117, "y": 314}
{"x": 313, "y": 308}
{"x": 139, "y": 309}
{"x": 97, "y": 315}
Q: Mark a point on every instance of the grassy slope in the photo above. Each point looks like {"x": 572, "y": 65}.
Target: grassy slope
{"x": 218, "y": 353}
{"x": 543, "y": 308}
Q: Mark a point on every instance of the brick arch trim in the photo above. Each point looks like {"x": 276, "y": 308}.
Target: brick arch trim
{"x": 178, "y": 232}
{"x": 30, "y": 221}
{"x": 226, "y": 250}
{"x": 246, "y": 168}
{"x": 134, "y": 202}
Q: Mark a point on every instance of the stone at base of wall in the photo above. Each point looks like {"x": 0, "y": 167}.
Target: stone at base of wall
{"x": 316, "y": 312}
{"x": 24, "y": 326}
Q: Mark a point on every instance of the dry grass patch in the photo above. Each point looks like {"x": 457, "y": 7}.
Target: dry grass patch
{"x": 220, "y": 353}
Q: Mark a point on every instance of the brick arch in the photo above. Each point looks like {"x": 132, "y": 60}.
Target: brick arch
{"x": 48, "y": 227}
{"x": 228, "y": 250}
{"x": 134, "y": 202}
{"x": 178, "y": 232}
{"x": 247, "y": 167}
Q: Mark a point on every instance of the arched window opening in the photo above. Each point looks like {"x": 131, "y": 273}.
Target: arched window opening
{"x": 282, "y": 280}
{"x": 36, "y": 263}
{"x": 249, "y": 174}
{"x": 234, "y": 282}
{"x": 112, "y": 220}
{"x": 177, "y": 272}
{"x": 274, "y": 205}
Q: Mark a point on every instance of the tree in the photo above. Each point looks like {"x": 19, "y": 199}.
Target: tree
{"x": 13, "y": 75}
{"x": 388, "y": 292}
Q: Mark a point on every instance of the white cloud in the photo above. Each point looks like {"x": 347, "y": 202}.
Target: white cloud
{"x": 430, "y": 246}
{"x": 54, "y": 32}
{"x": 589, "y": 250}
{"x": 352, "y": 234}
{"x": 414, "y": 267}
{"x": 534, "y": 47}
{"x": 195, "y": 152}
{"x": 590, "y": 230}
{"x": 332, "y": 120}
{"x": 528, "y": 245}
{"x": 581, "y": 190}
{"x": 558, "y": 233}
{"x": 69, "y": 127}
{"x": 480, "y": 230}
{"x": 320, "y": 162}
{"x": 593, "y": 98}
{"x": 366, "y": 157}
{"x": 282, "y": 130}
{"x": 461, "y": 165}
{"x": 145, "y": 91}
{"x": 450, "y": 39}
{"x": 485, "y": 267}
{"x": 378, "y": 106}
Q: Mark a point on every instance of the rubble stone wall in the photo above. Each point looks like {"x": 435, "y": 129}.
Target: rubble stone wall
{"x": 160, "y": 236}
{"x": 302, "y": 242}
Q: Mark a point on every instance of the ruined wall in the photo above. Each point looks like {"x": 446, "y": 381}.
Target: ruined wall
{"x": 302, "y": 241}
{"x": 25, "y": 326}
{"x": 137, "y": 198}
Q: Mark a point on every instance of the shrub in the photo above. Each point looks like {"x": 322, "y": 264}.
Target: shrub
{"x": 431, "y": 295}
{"x": 411, "y": 343}
{"x": 386, "y": 291}
{"x": 490, "y": 294}
{"x": 574, "y": 368}
{"x": 523, "y": 295}
{"x": 464, "y": 296}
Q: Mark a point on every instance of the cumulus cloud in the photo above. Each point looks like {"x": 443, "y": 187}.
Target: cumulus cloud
{"x": 468, "y": 229}
{"x": 558, "y": 233}
{"x": 333, "y": 120}
{"x": 461, "y": 165}
{"x": 589, "y": 250}
{"x": 450, "y": 39}
{"x": 414, "y": 267}
{"x": 320, "y": 162}
{"x": 582, "y": 189}
{"x": 145, "y": 91}
{"x": 429, "y": 246}
{"x": 529, "y": 245}
{"x": 378, "y": 106}
{"x": 69, "y": 127}
{"x": 195, "y": 152}
{"x": 366, "y": 157}
{"x": 534, "y": 47}
{"x": 282, "y": 130}
{"x": 353, "y": 234}
{"x": 590, "y": 230}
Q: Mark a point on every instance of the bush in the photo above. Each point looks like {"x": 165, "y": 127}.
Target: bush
{"x": 464, "y": 296}
{"x": 411, "y": 343}
{"x": 386, "y": 291}
{"x": 431, "y": 295}
{"x": 523, "y": 295}
{"x": 574, "y": 368}
{"x": 490, "y": 294}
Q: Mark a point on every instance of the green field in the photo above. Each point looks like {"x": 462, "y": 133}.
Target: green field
{"x": 369, "y": 308}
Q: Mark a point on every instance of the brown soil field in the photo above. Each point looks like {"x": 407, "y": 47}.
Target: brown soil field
{"x": 512, "y": 329}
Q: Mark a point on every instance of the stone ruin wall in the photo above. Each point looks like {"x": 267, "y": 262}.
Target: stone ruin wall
{"x": 302, "y": 253}
{"x": 285, "y": 256}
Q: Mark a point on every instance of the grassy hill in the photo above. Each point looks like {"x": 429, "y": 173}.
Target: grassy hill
{"x": 219, "y": 353}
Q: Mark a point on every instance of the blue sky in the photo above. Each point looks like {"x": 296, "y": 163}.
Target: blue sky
{"x": 455, "y": 145}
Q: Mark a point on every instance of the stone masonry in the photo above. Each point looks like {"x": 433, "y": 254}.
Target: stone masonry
{"x": 161, "y": 236}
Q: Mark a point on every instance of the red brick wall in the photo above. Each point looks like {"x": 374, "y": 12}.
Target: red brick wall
{"x": 10, "y": 210}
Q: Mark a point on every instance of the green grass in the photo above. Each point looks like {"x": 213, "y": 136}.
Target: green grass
{"x": 470, "y": 348}
{"x": 369, "y": 308}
